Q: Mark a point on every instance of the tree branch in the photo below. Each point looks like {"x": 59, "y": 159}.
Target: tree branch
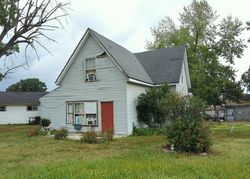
{"x": 10, "y": 70}
{"x": 29, "y": 23}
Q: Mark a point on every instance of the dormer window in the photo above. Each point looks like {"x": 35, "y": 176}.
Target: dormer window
{"x": 90, "y": 70}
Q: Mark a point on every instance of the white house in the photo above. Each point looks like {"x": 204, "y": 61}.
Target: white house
{"x": 19, "y": 107}
{"x": 101, "y": 81}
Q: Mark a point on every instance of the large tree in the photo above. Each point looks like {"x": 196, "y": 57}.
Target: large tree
{"x": 248, "y": 28}
{"x": 25, "y": 22}
{"x": 28, "y": 85}
{"x": 211, "y": 49}
{"x": 245, "y": 79}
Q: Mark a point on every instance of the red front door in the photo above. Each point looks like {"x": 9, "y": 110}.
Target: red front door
{"x": 107, "y": 116}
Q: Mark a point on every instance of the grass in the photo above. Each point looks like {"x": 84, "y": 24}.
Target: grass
{"x": 131, "y": 157}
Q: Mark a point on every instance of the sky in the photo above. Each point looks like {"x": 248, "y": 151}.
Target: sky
{"x": 124, "y": 22}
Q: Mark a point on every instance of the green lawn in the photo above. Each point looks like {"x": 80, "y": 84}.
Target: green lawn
{"x": 131, "y": 157}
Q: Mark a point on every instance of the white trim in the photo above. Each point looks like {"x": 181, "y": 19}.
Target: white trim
{"x": 147, "y": 84}
{"x": 72, "y": 57}
{"x": 107, "y": 52}
{"x": 83, "y": 41}
{"x": 76, "y": 51}
{"x": 187, "y": 70}
{"x": 139, "y": 82}
{"x": 169, "y": 84}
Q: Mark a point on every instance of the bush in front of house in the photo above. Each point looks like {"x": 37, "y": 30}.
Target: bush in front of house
{"x": 36, "y": 132}
{"x": 52, "y": 132}
{"x": 148, "y": 131}
{"x": 45, "y": 122}
{"x": 89, "y": 137}
{"x": 108, "y": 136}
{"x": 61, "y": 134}
{"x": 43, "y": 132}
{"x": 187, "y": 132}
{"x": 149, "y": 109}
{"x": 92, "y": 137}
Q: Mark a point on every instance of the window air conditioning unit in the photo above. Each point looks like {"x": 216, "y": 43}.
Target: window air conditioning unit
{"x": 91, "y": 77}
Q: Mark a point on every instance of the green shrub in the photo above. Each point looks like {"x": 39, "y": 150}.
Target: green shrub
{"x": 61, "y": 134}
{"x": 89, "y": 137}
{"x": 149, "y": 106}
{"x": 187, "y": 132}
{"x": 148, "y": 131}
{"x": 108, "y": 136}
{"x": 43, "y": 132}
{"x": 45, "y": 122}
{"x": 36, "y": 132}
{"x": 52, "y": 132}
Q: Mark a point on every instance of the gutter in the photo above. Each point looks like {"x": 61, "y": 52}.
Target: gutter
{"x": 147, "y": 84}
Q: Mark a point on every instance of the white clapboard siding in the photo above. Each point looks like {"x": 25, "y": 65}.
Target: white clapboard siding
{"x": 16, "y": 114}
{"x": 133, "y": 91}
{"x": 182, "y": 86}
{"x": 110, "y": 86}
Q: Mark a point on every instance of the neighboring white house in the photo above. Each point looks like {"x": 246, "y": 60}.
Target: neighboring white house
{"x": 101, "y": 81}
{"x": 19, "y": 107}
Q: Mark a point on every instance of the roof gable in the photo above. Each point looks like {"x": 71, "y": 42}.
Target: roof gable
{"x": 20, "y": 98}
{"x": 150, "y": 67}
{"x": 124, "y": 59}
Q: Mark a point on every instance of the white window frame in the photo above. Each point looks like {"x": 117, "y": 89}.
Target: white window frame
{"x": 81, "y": 117}
{"x": 33, "y": 108}
{"x": 91, "y": 120}
{"x": 69, "y": 113}
{"x": 90, "y": 71}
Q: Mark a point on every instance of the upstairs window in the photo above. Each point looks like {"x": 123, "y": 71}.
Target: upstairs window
{"x": 2, "y": 108}
{"x": 90, "y": 70}
{"x": 32, "y": 108}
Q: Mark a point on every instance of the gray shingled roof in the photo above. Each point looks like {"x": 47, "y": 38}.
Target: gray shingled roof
{"x": 153, "y": 67}
{"x": 124, "y": 58}
{"x": 163, "y": 64}
{"x": 20, "y": 98}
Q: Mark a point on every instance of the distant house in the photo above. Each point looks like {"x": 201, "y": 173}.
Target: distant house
{"x": 101, "y": 81}
{"x": 239, "y": 111}
{"x": 19, "y": 107}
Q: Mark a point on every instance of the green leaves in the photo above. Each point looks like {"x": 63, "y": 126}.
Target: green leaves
{"x": 187, "y": 133}
{"x": 211, "y": 49}
{"x": 198, "y": 17}
{"x": 245, "y": 79}
{"x": 149, "y": 108}
{"x": 28, "y": 85}
{"x": 248, "y": 28}
{"x": 229, "y": 44}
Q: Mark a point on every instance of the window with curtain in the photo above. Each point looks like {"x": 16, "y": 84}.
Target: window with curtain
{"x": 84, "y": 113}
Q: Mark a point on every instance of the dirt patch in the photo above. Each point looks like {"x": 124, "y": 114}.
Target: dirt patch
{"x": 11, "y": 128}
